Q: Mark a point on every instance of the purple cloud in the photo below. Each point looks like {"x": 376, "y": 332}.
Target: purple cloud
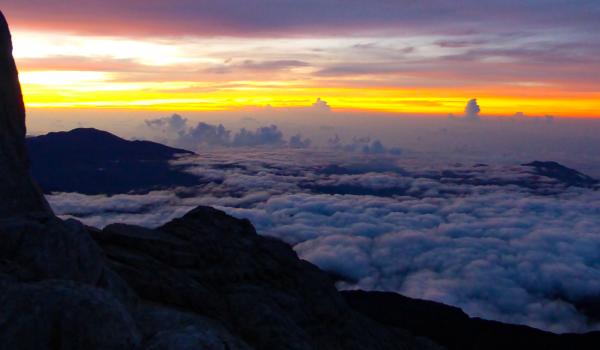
{"x": 249, "y": 18}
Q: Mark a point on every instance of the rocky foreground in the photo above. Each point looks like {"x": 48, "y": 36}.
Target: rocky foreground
{"x": 204, "y": 281}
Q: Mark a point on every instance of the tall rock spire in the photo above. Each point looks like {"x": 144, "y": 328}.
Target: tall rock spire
{"x": 18, "y": 193}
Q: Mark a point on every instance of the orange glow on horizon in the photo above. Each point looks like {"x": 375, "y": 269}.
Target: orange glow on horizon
{"x": 47, "y": 89}
{"x": 59, "y": 70}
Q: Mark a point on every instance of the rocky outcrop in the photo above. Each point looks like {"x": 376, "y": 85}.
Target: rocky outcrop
{"x": 206, "y": 280}
{"x": 217, "y": 267}
{"x": 18, "y": 192}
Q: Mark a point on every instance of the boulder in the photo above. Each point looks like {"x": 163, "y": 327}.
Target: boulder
{"x": 46, "y": 247}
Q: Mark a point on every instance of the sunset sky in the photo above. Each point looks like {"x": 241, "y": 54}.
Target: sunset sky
{"x": 401, "y": 56}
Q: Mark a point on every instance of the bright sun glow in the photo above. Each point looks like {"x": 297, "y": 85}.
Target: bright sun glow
{"x": 71, "y": 71}
{"x": 68, "y": 79}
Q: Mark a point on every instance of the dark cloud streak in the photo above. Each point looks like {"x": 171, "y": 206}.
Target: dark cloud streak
{"x": 270, "y": 17}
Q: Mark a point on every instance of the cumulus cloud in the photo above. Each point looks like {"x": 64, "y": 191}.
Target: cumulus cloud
{"x": 499, "y": 241}
{"x": 297, "y": 141}
{"x": 172, "y": 124}
{"x": 175, "y": 130}
{"x": 375, "y": 147}
{"x": 266, "y": 135}
{"x": 362, "y": 144}
{"x": 472, "y": 110}
{"x": 204, "y": 134}
{"x": 321, "y": 105}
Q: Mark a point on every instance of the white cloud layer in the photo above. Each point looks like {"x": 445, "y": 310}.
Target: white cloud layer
{"x": 498, "y": 241}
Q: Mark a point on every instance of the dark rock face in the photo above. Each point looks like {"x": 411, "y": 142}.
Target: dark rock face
{"x": 92, "y": 161}
{"x": 56, "y": 314}
{"x": 18, "y": 193}
{"x": 452, "y": 328}
{"x": 217, "y": 266}
{"x": 206, "y": 281}
{"x": 49, "y": 248}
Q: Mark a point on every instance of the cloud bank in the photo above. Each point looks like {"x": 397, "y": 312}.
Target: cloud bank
{"x": 501, "y": 242}
{"x": 175, "y": 130}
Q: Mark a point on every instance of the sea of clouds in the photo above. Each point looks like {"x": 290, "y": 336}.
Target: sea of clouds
{"x": 499, "y": 241}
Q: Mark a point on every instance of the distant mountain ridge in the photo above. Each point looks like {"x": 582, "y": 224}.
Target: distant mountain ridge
{"x": 93, "y": 161}
{"x": 452, "y": 328}
{"x": 559, "y": 172}
{"x": 103, "y": 145}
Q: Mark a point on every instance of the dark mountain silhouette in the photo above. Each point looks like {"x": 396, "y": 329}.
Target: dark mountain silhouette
{"x": 563, "y": 174}
{"x": 92, "y": 161}
{"x": 541, "y": 178}
{"x": 452, "y": 328}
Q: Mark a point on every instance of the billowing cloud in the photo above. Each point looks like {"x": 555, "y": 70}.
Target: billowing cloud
{"x": 172, "y": 124}
{"x": 362, "y": 144}
{"x": 472, "y": 110}
{"x": 297, "y": 141}
{"x": 266, "y": 135}
{"x": 501, "y": 242}
{"x": 321, "y": 105}
{"x": 175, "y": 130}
{"x": 204, "y": 134}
